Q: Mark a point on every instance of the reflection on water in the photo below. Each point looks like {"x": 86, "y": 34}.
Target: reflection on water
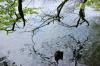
{"x": 11, "y": 44}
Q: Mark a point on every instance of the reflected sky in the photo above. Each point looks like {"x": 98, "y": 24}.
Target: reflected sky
{"x": 13, "y": 42}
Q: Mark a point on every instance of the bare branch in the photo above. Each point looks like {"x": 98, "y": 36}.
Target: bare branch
{"x": 59, "y": 8}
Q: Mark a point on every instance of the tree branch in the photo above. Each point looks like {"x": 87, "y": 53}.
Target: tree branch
{"x": 59, "y": 8}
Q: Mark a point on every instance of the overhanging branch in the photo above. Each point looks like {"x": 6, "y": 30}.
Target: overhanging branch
{"x": 59, "y": 8}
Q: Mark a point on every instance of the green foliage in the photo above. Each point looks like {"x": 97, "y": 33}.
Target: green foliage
{"x": 94, "y": 3}
{"x": 89, "y": 2}
{"x": 8, "y": 8}
{"x": 1, "y": 0}
{"x": 31, "y": 10}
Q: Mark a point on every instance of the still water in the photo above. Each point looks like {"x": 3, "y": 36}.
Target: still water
{"x": 17, "y": 45}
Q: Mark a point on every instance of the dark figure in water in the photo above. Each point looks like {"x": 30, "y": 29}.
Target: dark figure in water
{"x": 5, "y": 63}
{"x": 58, "y": 55}
{"x": 82, "y": 13}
